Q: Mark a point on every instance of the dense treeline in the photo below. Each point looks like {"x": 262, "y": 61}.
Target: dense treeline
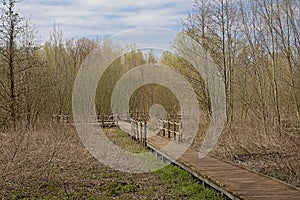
{"x": 256, "y": 47}
{"x": 21, "y": 68}
{"x": 37, "y": 80}
{"x": 144, "y": 97}
{"x": 255, "y": 44}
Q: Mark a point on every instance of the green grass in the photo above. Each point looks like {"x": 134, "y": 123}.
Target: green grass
{"x": 184, "y": 186}
{"x": 118, "y": 137}
{"x": 115, "y": 189}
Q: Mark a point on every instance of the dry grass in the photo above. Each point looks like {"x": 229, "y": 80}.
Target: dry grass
{"x": 52, "y": 163}
{"x": 273, "y": 154}
{"x": 31, "y": 160}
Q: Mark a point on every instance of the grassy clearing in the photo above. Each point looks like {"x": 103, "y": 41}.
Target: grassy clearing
{"x": 53, "y": 164}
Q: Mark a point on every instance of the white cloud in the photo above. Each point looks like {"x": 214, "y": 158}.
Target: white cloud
{"x": 79, "y": 18}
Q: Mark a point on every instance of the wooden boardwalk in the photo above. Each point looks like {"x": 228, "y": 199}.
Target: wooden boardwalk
{"x": 233, "y": 181}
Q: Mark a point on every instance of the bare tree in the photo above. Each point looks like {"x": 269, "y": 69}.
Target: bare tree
{"x": 17, "y": 50}
{"x": 214, "y": 24}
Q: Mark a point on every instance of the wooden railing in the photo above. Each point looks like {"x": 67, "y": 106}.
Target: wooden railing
{"x": 103, "y": 120}
{"x": 140, "y": 116}
{"x": 139, "y": 131}
{"x": 61, "y": 119}
{"x": 171, "y": 129}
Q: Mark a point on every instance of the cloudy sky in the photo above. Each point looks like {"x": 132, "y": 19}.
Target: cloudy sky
{"x": 79, "y": 18}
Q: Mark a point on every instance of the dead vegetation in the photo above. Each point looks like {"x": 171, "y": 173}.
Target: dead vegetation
{"x": 52, "y": 163}
{"x": 273, "y": 154}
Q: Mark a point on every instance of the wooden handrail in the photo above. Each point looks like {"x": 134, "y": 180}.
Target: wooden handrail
{"x": 172, "y": 128}
{"x": 139, "y": 130}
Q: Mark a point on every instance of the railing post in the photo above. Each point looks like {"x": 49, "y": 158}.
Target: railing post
{"x": 98, "y": 118}
{"x": 169, "y": 131}
{"x": 141, "y": 132}
{"x": 116, "y": 119}
{"x": 174, "y": 130}
{"x": 145, "y": 134}
{"x": 131, "y": 128}
{"x": 164, "y": 131}
{"x": 102, "y": 120}
{"x": 136, "y": 130}
{"x": 180, "y": 132}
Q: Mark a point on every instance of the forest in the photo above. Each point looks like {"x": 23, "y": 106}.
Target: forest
{"x": 254, "y": 43}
